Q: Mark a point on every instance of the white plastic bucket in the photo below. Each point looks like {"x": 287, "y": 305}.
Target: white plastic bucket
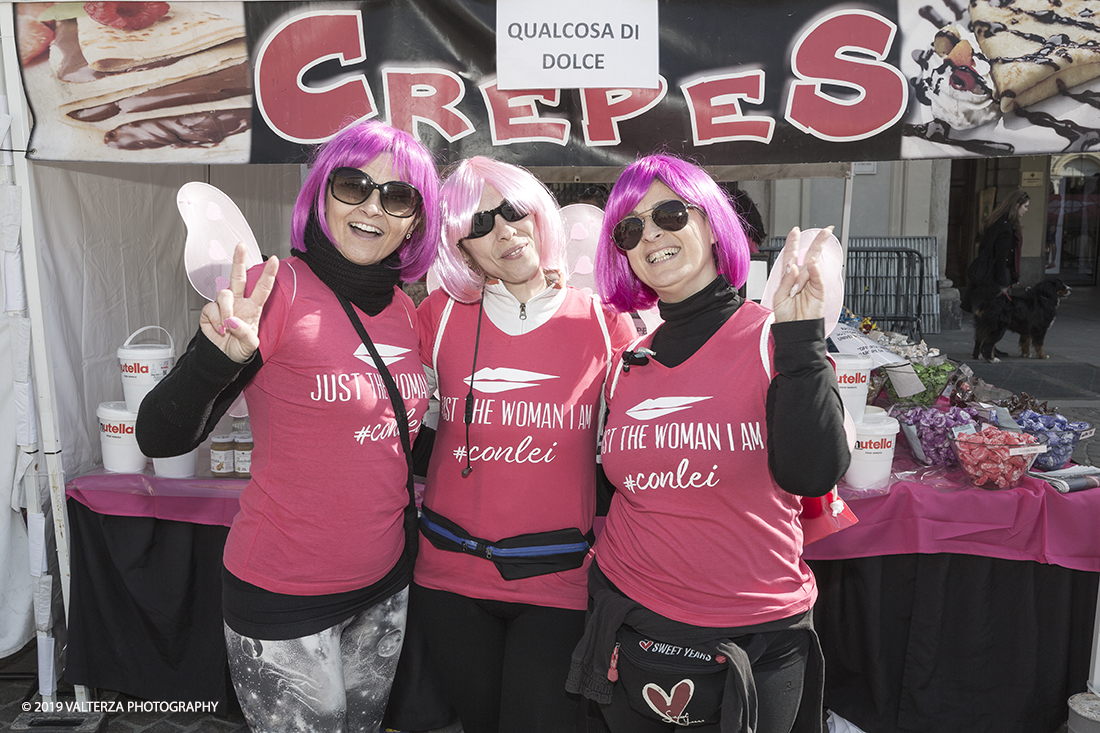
{"x": 873, "y": 456}
{"x": 852, "y": 374}
{"x": 143, "y": 365}
{"x": 176, "y": 466}
{"x": 117, "y": 439}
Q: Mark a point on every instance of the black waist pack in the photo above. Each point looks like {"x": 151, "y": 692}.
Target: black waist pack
{"x": 667, "y": 682}
{"x": 522, "y": 556}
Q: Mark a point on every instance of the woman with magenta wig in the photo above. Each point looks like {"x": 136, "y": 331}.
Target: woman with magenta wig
{"x": 318, "y": 560}
{"x": 520, "y": 359}
{"x": 718, "y": 422}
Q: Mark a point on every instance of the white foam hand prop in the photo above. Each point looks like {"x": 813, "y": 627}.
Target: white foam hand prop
{"x": 800, "y": 295}
{"x": 232, "y": 321}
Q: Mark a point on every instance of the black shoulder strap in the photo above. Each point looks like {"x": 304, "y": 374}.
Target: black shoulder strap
{"x": 411, "y": 532}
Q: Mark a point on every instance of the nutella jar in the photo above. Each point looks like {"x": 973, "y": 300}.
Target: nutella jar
{"x": 222, "y": 448}
{"x": 242, "y": 454}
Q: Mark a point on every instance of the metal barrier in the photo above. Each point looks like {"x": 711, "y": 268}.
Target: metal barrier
{"x": 928, "y": 246}
{"x": 885, "y": 284}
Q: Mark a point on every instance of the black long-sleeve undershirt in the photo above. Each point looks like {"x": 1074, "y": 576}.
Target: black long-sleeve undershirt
{"x": 186, "y": 405}
{"x": 807, "y": 448}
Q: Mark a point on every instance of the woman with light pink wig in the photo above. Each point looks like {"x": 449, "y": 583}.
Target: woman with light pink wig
{"x": 510, "y": 496}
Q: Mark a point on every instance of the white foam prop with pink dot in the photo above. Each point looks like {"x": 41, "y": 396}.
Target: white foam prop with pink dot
{"x": 214, "y": 228}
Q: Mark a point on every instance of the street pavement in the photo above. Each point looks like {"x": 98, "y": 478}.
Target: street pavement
{"x": 1068, "y": 380}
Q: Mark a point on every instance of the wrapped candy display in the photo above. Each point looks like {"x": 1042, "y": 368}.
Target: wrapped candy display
{"x": 997, "y": 459}
{"x": 1062, "y": 437}
{"x": 928, "y": 430}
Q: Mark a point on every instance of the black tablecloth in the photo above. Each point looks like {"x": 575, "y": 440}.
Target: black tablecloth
{"x": 145, "y": 608}
{"x": 953, "y": 643}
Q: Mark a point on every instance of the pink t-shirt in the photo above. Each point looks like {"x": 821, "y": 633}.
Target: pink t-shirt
{"x": 532, "y": 440}
{"x": 698, "y": 530}
{"x": 323, "y": 511}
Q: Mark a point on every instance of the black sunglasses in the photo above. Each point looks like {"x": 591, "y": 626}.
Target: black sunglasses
{"x": 672, "y": 216}
{"x": 352, "y": 186}
{"x": 484, "y": 221}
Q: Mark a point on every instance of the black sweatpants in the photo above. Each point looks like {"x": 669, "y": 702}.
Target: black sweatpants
{"x": 503, "y": 665}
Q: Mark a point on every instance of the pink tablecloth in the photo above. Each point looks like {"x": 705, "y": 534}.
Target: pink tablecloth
{"x": 1029, "y": 522}
{"x": 201, "y": 500}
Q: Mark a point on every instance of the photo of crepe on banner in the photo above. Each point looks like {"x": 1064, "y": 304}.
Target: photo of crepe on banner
{"x": 1000, "y": 78}
{"x": 137, "y": 82}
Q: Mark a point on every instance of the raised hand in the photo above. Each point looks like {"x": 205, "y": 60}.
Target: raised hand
{"x": 801, "y": 292}
{"x": 232, "y": 321}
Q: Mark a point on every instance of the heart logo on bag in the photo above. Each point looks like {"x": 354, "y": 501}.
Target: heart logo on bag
{"x": 670, "y": 706}
{"x": 645, "y": 644}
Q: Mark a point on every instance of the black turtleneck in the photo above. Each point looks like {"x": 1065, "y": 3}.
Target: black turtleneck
{"x": 807, "y": 450}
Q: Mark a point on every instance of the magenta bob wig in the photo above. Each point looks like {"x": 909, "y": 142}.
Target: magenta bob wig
{"x": 460, "y": 196}
{"x": 619, "y": 287}
{"x": 358, "y": 145}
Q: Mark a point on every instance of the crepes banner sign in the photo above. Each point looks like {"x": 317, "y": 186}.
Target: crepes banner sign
{"x": 740, "y": 81}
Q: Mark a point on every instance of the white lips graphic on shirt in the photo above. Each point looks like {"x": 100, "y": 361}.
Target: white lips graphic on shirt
{"x": 390, "y": 354}
{"x": 491, "y": 380}
{"x": 661, "y": 406}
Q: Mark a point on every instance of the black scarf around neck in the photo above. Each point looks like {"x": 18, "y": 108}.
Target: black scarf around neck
{"x": 369, "y": 287}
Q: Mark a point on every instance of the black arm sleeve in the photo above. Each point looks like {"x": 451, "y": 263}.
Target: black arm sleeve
{"x": 186, "y": 405}
{"x": 807, "y": 449}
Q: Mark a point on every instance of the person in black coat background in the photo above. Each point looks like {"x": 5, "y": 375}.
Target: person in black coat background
{"x": 997, "y": 265}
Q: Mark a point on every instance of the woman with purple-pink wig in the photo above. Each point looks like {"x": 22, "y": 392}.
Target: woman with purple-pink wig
{"x": 618, "y": 285}
{"x": 317, "y": 564}
{"x": 355, "y": 146}
{"x": 718, "y": 423}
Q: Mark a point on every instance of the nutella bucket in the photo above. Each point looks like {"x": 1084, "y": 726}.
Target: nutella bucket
{"x": 143, "y": 365}
{"x": 852, "y": 375}
{"x": 118, "y": 440}
{"x": 873, "y": 456}
{"x": 176, "y": 466}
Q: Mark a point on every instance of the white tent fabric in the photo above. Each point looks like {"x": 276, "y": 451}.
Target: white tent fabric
{"x": 16, "y": 613}
{"x": 110, "y": 247}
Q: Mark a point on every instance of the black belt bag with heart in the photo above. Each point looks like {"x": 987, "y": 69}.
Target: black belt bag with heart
{"x": 522, "y": 556}
{"x": 669, "y": 683}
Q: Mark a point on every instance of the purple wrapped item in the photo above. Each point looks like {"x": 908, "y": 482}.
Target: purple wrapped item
{"x": 1063, "y": 437}
{"x": 928, "y": 430}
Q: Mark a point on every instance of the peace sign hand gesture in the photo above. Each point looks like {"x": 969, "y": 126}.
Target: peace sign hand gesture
{"x": 800, "y": 295}
{"x": 232, "y": 321}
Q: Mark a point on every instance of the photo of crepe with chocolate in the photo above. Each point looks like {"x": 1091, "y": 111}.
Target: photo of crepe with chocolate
{"x": 181, "y": 82}
{"x": 1036, "y": 47}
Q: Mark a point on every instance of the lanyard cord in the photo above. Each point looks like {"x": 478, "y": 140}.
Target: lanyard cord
{"x": 468, "y": 417}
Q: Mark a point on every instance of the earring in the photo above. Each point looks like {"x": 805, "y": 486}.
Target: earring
{"x": 409, "y": 235}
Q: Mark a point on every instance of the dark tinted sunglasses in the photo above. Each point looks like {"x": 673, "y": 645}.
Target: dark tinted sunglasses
{"x": 484, "y": 221}
{"x": 352, "y": 186}
{"x": 672, "y": 216}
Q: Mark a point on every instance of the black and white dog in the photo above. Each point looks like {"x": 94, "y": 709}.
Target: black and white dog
{"x": 1029, "y": 314}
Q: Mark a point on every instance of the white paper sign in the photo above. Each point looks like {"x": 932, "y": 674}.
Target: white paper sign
{"x": 576, "y": 44}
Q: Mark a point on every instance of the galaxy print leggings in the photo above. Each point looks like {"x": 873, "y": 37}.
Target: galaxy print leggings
{"x": 335, "y": 680}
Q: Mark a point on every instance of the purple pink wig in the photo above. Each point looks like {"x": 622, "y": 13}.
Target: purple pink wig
{"x": 619, "y": 287}
{"x": 355, "y": 146}
{"x": 460, "y": 196}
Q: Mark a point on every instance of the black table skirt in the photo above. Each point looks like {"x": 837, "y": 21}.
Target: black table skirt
{"x": 953, "y": 643}
{"x": 145, "y": 608}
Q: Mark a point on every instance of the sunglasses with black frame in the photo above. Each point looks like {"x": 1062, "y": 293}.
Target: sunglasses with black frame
{"x": 352, "y": 186}
{"x": 484, "y": 221}
{"x": 672, "y": 216}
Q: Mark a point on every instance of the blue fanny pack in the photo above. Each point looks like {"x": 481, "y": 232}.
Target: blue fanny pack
{"x": 522, "y": 556}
